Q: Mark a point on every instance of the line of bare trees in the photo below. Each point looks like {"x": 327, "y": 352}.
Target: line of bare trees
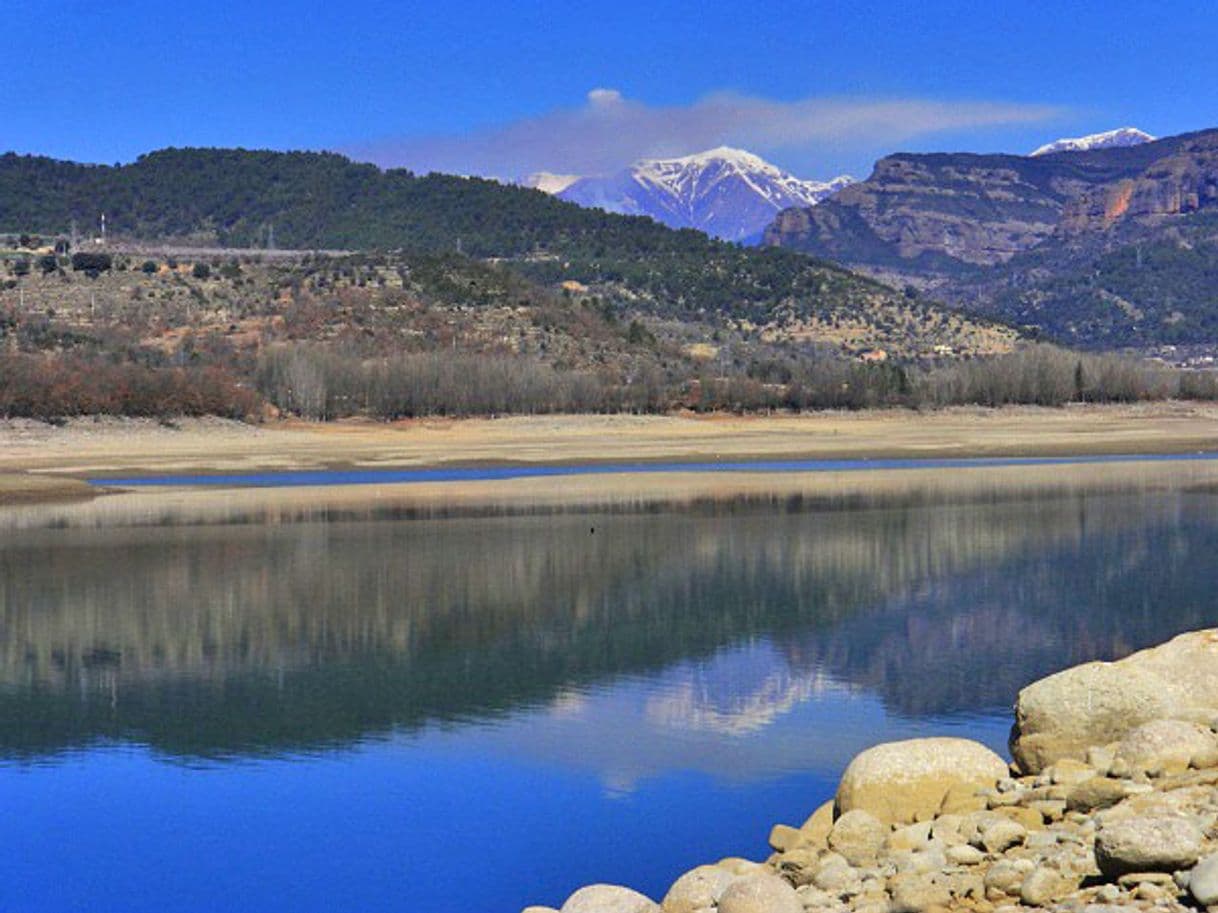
{"x": 318, "y": 382}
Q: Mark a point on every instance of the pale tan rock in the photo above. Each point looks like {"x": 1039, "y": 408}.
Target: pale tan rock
{"x": 1108, "y": 893}
{"x": 1101, "y": 757}
{"x": 961, "y": 799}
{"x": 737, "y": 865}
{"x": 835, "y": 875}
{"x": 536, "y": 909}
{"x": 1044, "y": 884}
{"x": 1147, "y": 843}
{"x": 910, "y": 837}
{"x": 820, "y": 822}
{"x": 1006, "y": 876}
{"x": 857, "y": 836}
{"x": 1069, "y": 771}
{"x": 1203, "y": 881}
{"x": 1027, "y": 818}
{"x": 1097, "y": 703}
{"x": 1096, "y": 793}
{"x": 1002, "y": 835}
{"x": 608, "y": 898}
{"x": 799, "y": 858}
{"x": 1205, "y": 760}
{"x": 697, "y": 889}
{"x": 1165, "y": 745}
{"x": 783, "y": 837}
{"x": 1049, "y": 809}
{"x": 963, "y": 854}
{"x": 898, "y": 782}
{"x": 760, "y": 893}
{"x": 914, "y": 893}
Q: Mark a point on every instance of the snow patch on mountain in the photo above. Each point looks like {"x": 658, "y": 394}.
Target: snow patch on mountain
{"x": 725, "y": 192}
{"x": 1111, "y": 139}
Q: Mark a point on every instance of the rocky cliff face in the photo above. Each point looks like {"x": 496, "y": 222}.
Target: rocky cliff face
{"x": 1177, "y": 184}
{"x": 930, "y": 212}
{"x": 941, "y": 215}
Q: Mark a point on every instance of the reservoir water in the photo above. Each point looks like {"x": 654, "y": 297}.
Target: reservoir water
{"x": 386, "y": 709}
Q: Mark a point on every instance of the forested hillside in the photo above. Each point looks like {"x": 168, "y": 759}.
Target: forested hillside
{"x": 242, "y": 199}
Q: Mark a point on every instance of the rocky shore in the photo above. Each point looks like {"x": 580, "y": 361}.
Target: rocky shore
{"x": 1110, "y": 802}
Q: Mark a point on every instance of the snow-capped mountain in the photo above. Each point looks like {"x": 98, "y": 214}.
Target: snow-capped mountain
{"x": 548, "y": 181}
{"x": 728, "y": 193}
{"x": 1125, "y": 136}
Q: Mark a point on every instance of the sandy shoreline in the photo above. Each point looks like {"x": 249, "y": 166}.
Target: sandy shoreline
{"x": 42, "y": 462}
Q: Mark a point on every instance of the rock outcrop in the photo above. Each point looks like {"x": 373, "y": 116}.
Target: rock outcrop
{"x": 1098, "y": 703}
{"x": 1129, "y": 822}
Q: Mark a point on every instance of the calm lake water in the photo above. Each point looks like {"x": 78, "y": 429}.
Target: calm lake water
{"x": 386, "y": 710}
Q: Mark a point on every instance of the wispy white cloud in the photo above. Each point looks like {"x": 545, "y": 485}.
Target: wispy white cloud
{"x": 610, "y": 131}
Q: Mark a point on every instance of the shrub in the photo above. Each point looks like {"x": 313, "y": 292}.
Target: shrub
{"x": 91, "y": 263}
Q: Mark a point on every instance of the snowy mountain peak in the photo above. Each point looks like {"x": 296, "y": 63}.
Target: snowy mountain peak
{"x": 1111, "y": 139}
{"x": 728, "y": 154}
{"x": 548, "y": 182}
{"x": 726, "y": 192}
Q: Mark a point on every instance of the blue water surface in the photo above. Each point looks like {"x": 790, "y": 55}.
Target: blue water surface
{"x": 278, "y": 479}
{"x": 390, "y": 712}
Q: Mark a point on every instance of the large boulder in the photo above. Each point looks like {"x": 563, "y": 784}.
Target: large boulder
{"x": 608, "y": 898}
{"x": 1097, "y": 703}
{"x": 760, "y": 893}
{"x": 901, "y": 782}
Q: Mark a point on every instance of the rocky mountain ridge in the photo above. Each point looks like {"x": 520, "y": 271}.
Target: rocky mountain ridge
{"x": 1005, "y": 234}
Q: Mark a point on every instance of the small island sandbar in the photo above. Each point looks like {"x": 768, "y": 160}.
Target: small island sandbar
{"x": 84, "y": 448}
{"x": 41, "y": 462}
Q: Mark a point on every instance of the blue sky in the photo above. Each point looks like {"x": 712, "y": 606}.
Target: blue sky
{"x": 503, "y": 88}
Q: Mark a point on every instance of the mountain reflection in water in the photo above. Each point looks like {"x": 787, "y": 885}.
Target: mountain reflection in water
{"x": 249, "y": 638}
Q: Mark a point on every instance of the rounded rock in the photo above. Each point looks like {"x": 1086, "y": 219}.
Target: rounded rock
{"x": 608, "y": 898}
{"x": 1203, "y": 881}
{"x": 1043, "y": 885}
{"x": 1002, "y": 835}
{"x": 1147, "y": 843}
{"x": 858, "y": 837}
{"x": 902, "y": 782}
{"x": 697, "y": 889}
{"x": 760, "y": 893}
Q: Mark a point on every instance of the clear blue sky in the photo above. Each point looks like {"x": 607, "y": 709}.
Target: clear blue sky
{"x": 819, "y": 87}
